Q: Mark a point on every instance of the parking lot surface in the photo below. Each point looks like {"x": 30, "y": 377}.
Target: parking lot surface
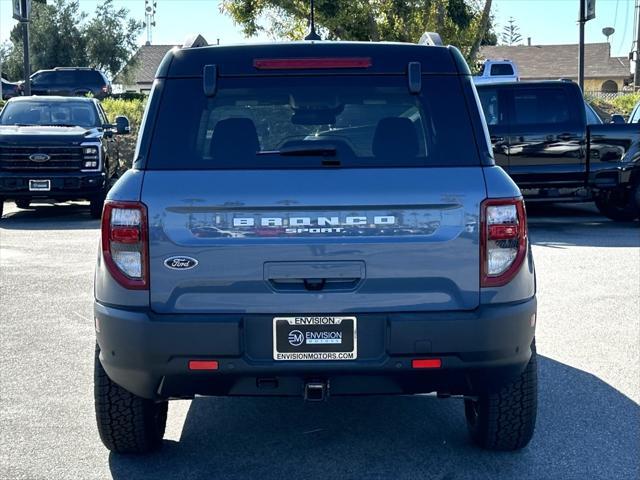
{"x": 588, "y": 341}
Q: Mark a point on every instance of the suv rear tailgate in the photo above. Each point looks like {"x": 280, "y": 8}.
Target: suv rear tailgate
{"x": 314, "y": 241}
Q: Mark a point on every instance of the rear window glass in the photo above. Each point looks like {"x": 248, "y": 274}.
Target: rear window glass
{"x": 298, "y": 122}
{"x": 501, "y": 69}
{"x": 541, "y": 106}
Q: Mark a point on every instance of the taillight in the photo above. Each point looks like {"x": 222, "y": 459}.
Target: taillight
{"x": 125, "y": 243}
{"x": 105, "y": 89}
{"x": 503, "y": 240}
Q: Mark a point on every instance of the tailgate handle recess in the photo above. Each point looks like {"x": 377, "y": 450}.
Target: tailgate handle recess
{"x": 314, "y": 276}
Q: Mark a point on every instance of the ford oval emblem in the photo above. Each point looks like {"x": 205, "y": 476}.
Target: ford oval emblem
{"x": 39, "y": 157}
{"x": 180, "y": 263}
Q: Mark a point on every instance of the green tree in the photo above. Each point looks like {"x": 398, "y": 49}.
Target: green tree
{"x": 511, "y": 33}
{"x": 110, "y": 38}
{"x": 60, "y": 36}
{"x": 55, "y": 39}
{"x": 460, "y": 22}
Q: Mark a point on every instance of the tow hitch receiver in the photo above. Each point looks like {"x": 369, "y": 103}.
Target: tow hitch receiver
{"x": 315, "y": 391}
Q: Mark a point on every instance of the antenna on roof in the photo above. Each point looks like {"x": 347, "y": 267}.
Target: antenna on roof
{"x": 312, "y": 35}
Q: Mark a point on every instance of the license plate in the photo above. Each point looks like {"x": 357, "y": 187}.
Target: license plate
{"x": 39, "y": 185}
{"x": 314, "y": 338}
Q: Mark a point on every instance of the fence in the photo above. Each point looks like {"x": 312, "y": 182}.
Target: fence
{"x": 606, "y": 95}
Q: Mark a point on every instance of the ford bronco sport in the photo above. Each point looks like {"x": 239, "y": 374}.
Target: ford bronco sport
{"x": 314, "y": 219}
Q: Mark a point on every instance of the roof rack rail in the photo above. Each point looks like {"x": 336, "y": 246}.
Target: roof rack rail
{"x": 431, "y": 38}
{"x": 195, "y": 41}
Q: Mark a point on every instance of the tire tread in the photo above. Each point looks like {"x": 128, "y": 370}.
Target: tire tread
{"x": 126, "y": 423}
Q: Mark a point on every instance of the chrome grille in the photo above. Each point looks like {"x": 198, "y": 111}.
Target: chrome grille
{"x": 60, "y": 158}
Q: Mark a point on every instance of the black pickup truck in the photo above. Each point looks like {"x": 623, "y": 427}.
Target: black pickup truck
{"x": 57, "y": 148}
{"x": 542, "y": 138}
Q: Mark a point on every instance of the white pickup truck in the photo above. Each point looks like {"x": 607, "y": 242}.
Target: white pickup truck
{"x": 497, "y": 71}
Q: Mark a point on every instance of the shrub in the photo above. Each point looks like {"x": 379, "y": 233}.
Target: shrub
{"x": 625, "y": 103}
{"x": 622, "y": 105}
{"x": 133, "y": 109}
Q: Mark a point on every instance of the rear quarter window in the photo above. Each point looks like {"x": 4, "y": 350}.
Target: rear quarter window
{"x": 89, "y": 77}
{"x": 635, "y": 115}
{"x": 277, "y": 122}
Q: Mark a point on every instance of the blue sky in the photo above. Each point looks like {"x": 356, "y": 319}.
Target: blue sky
{"x": 545, "y": 21}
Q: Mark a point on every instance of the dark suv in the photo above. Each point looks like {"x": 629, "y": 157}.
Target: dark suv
{"x": 57, "y": 148}
{"x": 70, "y": 81}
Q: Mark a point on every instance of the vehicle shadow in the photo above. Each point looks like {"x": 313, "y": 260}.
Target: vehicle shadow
{"x": 49, "y": 216}
{"x": 586, "y": 429}
{"x": 578, "y": 224}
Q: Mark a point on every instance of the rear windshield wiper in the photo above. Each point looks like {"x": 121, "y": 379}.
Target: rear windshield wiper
{"x": 302, "y": 152}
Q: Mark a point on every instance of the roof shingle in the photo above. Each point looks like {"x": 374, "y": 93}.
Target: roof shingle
{"x": 146, "y": 61}
{"x": 560, "y": 61}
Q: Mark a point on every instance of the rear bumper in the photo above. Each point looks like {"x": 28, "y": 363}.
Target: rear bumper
{"x": 64, "y": 186}
{"x": 148, "y": 354}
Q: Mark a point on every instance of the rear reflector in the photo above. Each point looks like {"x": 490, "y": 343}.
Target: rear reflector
{"x": 203, "y": 365}
{"x": 310, "y": 63}
{"x": 427, "y": 363}
{"x": 502, "y": 232}
{"x": 125, "y": 235}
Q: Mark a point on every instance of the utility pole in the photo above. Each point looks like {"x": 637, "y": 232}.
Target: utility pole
{"x": 22, "y": 12}
{"x": 587, "y": 12}
{"x": 25, "y": 50}
{"x": 636, "y": 77}
{"x": 582, "y": 21}
{"x": 150, "y": 9}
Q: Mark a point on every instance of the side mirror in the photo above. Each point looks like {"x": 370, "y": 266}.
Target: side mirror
{"x": 122, "y": 125}
{"x": 617, "y": 118}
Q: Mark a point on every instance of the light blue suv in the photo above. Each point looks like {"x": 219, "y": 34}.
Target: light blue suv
{"x": 314, "y": 219}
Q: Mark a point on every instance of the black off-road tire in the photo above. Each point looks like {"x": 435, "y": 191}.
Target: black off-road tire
{"x": 23, "y": 203}
{"x": 620, "y": 208}
{"x": 506, "y": 419}
{"x": 95, "y": 207}
{"x": 126, "y": 423}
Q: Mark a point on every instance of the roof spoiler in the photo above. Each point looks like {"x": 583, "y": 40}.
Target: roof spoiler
{"x": 431, "y": 38}
{"x": 195, "y": 41}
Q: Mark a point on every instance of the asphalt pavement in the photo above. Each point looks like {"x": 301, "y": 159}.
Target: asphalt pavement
{"x": 588, "y": 340}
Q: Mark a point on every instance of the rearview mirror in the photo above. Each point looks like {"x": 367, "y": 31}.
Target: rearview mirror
{"x": 122, "y": 125}
{"x": 617, "y": 119}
